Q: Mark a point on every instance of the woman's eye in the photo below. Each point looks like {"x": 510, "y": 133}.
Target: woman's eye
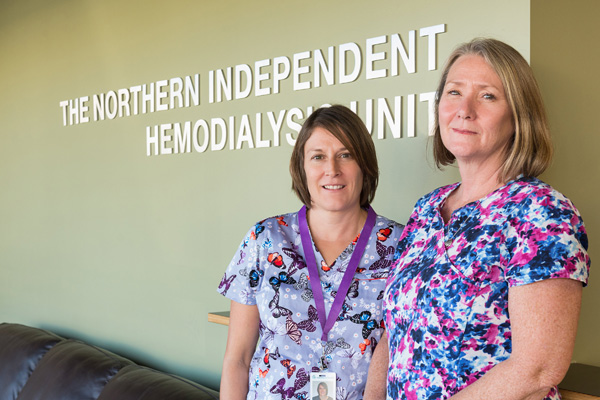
{"x": 489, "y": 96}
{"x": 453, "y": 92}
{"x": 317, "y": 157}
{"x": 346, "y": 155}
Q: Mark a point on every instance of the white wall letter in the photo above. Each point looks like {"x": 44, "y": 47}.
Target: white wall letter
{"x": 293, "y": 125}
{"x": 298, "y": 70}
{"x": 151, "y": 140}
{"x": 200, "y": 148}
{"x": 214, "y": 124}
{"x": 182, "y": 138}
{"x": 431, "y": 32}
{"x": 408, "y": 58}
{"x": 355, "y": 51}
{"x": 429, "y": 97}
{"x": 372, "y": 57}
{"x": 279, "y": 75}
{"x": 321, "y": 66}
{"x": 258, "y": 78}
{"x": 239, "y": 92}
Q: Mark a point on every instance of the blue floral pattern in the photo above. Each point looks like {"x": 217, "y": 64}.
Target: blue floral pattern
{"x": 269, "y": 270}
{"x": 446, "y": 300}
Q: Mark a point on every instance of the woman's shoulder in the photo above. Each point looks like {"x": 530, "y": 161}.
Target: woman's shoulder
{"x": 530, "y": 195}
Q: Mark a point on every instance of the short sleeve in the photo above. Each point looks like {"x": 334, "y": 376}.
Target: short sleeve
{"x": 244, "y": 274}
{"x": 546, "y": 239}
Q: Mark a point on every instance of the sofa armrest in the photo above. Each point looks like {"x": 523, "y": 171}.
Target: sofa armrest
{"x": 21, "y": 349}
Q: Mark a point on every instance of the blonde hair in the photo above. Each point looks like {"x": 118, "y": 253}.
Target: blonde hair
{"x": 530, "y": 151}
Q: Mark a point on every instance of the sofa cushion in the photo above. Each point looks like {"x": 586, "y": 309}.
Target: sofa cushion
{"x": 72, "y": 370}
{"x": 21, "y": 348}
{"x": 135, "y": 382}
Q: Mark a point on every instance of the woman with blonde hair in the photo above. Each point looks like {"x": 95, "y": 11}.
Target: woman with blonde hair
{"x": 484, "y": 298}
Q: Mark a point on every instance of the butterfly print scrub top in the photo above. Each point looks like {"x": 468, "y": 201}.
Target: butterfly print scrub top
{"x": 269, "y": 271}
{"x": 446, "y": 300}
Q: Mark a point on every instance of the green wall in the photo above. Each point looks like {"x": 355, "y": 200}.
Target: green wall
{"x": 101, "y": 242}
{"x": 564, "y": 56}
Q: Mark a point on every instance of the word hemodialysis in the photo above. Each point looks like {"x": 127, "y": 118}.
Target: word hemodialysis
{"x": 272, "y": 129}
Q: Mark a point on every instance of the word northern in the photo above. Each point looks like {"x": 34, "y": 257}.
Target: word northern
{"x": 157, "y": 96}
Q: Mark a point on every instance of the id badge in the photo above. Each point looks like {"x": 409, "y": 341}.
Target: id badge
{"x": 322, "y": 385}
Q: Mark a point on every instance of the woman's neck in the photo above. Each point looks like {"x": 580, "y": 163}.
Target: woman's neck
{"x": 332, "y": 232}
{"x": 474, "y": 186}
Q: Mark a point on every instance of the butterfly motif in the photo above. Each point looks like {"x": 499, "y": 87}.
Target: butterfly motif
{"x": 226, "y": 282}
{"x": 290, "y": 392}
{"x": 386, "y": 257}
{"x": 380, "y": 297}
{"x": 262, "y": 373}
{"x": 255, "y": 276}
{"x": 324, "y": 266}
{"x": 276, "y": 309}
{"x": 242, "y": 256}
{"x": 268, "y": 335}
{"x": 289, "y": 366}
{"x": 258, "y": 229}
{"x": 363, "y": 346}
{"x": 373, "y": 344}
{"x": 352, "y": 355}
{"x": 384, "y": 234}
{"x": 308, "y": 325}
{"x": 269, "y": 355}
{"x": 283, "y": 277}
{"x": 346, "y": 308}
{"x": 297, "y": 260}
{"x": 292, "y": 330}
{"x": 304, "y": 285}
{"x": 368, "y": 324}
{"x": 301, "y": 396}
{"x": 330, "y": 346}
{"x": 352, "y": 290}
{"x": 275, "y": 259}
{"x": 280, "y": 221}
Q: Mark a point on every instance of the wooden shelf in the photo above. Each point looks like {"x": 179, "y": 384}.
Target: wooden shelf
{"x": 219, "y": 317}
{"x": 569, "y": 395}
{"x": 582, "y": 382}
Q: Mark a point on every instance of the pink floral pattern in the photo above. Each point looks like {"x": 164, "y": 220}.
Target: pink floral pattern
{"x": 446, "y": 300}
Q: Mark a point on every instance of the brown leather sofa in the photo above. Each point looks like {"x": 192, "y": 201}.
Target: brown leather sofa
{"x": 39, "y": 365}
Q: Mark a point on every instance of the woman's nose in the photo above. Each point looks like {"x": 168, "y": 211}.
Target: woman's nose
{"x": 466, "y": 108}
{"x": 332, "y": 167}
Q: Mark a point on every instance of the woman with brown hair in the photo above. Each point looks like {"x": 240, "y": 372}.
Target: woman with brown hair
{"x": 307, "y": 285}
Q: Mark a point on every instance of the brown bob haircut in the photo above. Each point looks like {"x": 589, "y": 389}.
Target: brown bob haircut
{"x": 349, "y": 129}
{"x": 530, "y": 151}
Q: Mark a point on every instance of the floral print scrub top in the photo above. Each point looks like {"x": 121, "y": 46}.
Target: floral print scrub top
{"x": 446, "y": 300}
{"x": 269, "y": 271}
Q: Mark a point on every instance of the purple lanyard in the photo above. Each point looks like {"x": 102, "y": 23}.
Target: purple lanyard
{"x": 313, "y": 271}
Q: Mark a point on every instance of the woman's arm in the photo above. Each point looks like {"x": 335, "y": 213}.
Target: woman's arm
{"x": 543, "y": 317}
{"x": 244, "y": 323}
{"x": 376, "y": 388}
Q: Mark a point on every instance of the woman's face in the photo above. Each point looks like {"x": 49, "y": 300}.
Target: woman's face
{"x": 322, "y": 390}
{"x": 476, "y": 123}
{"x": 333, "y": 176}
